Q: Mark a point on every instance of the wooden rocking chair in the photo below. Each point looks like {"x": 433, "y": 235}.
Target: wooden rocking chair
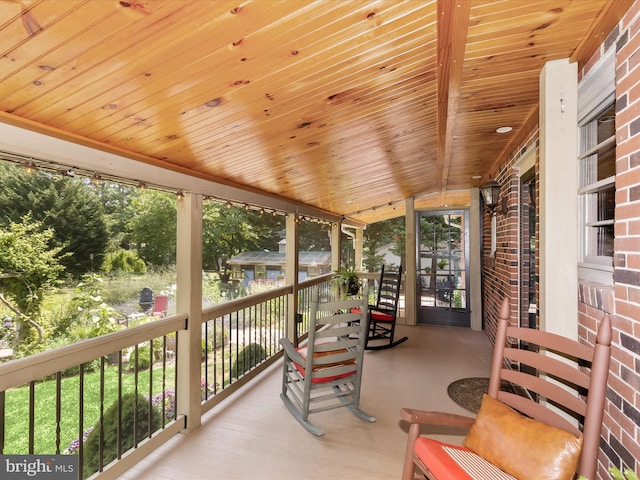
{"x": 383, "y": 315}
{"x": 522, "y": 434}
{"x": 326, "y": 372}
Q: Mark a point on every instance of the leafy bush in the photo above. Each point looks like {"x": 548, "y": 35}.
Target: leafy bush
{"x": 618, "y": 475}
{"x": 87, "y": 315}
{"x": 211, "y": 293}
{"x": 130, "y": 403}
{"x": 123, "y": 261}
{"x": 145, "y": 356}
{"x": 247, "y": 358}
{"x": 204, "y": 348}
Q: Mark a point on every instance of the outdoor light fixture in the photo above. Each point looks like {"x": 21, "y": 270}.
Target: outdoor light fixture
{"x": 30, "y": 167}
{"x": 491, "y": 194}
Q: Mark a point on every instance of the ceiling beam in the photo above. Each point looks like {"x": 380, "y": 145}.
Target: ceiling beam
{"x": 453, "y": 24}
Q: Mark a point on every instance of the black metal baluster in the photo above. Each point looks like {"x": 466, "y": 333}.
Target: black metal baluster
{"x": 58, "y": 409}
{"x": 101, "y": 420}
{"x": 135, "y": 403}
{"x": 164, "y": 380}
{"x": 32, "y": 412}
{"x": 2, "y": 423}
{"x": 175, "y": 379}
{"x": 119, "y": 426}
{"x": 215, "y": 352}
{"x": 206, "y": 360}
{"x": 149, "y": 416}
{"x": 81, "y": 418}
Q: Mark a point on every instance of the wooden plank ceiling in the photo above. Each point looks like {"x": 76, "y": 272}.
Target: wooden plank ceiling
{"x": 347, "y": 106}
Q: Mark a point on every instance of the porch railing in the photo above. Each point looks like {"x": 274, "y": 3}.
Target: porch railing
{"x": 74, "y": 393}
{"x": 114, "y": 386}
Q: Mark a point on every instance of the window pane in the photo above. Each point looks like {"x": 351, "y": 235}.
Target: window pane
{"x": 597, "y": 170}
{"x": 606, "y": 204}
{"x": 605, "y": 241}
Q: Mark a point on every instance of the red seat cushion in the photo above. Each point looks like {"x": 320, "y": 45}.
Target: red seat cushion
{"x": 303, "y": 351}
{"x": 452, "y": 462}
{"x": 381, "y": 317}
{"x": 377, "y": 316}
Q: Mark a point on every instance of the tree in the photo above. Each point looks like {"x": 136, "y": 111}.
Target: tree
{"x": 66, "y": 205}
{"x": 314, "y": 237}
{"x": 229, "y": 231}
{"x": 29, "y": 266}
{"x": 439, "y": 234}
{"x": 151, "y": 224}
{"x": 380, "y": 234}
{"x": 115, "y": 198}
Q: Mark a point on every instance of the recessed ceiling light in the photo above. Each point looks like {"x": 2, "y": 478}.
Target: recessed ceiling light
{"x": 476, "y": 177}
{"x": 504, "y": 129}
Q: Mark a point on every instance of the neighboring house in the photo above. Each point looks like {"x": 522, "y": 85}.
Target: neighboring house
{"x": 248, "y": 266}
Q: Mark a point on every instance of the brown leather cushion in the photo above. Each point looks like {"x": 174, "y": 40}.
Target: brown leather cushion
{"x": 521, "y": 446}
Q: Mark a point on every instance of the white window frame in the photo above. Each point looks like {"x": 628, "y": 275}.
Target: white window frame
{"x": 596, "y": 92}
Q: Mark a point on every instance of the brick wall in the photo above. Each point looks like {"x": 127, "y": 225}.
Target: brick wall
{"x": 621, "y": 426}
{"x": 621, "y": 430}
{"x": 500, "y": 271}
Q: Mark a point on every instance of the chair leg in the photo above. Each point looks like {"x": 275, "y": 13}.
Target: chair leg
{"x": 353, "y": 406}
{"x": 310, "y": 427}
{"x": 409, "y": 469}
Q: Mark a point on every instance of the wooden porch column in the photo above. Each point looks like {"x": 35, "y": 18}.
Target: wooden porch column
{"x": 189, "y": 301}
{"x": 558, "y": 198}
{"x": 291, "y": 273}
{"x": 410, "y": 282}
{"x": 336, "y": 247}
{"x": 358, "y": 245}
{"x": 475, "y": 271}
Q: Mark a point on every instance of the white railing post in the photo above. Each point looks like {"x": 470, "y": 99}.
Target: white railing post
{"x": 336, "y": 238}
{"x": 189, "y": 301}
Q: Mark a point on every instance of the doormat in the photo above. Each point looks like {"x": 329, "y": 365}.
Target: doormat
{"x": 467, "y": 392}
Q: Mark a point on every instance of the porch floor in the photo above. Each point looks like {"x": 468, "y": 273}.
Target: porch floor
{"x": 251, "y": 435}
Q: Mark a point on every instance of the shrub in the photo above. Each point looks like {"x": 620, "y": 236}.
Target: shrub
{"x": 204, "y": 349}
{"x": 247, "y": 358}
{"x": 123, "y": 261}
{"x": 130, "y": 403}
{"x": 87, "y": 315}
{"x": 144, "y": 358}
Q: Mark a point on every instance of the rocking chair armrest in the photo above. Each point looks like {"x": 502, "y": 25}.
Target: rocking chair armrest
{"x": 423, "y": 417}
{"x": 291, "y": 351}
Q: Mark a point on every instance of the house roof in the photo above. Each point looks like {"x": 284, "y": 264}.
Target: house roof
{"x": 306, "y": 259}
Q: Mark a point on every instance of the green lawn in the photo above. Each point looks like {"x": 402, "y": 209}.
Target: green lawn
{"x": 17, "y": 407}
